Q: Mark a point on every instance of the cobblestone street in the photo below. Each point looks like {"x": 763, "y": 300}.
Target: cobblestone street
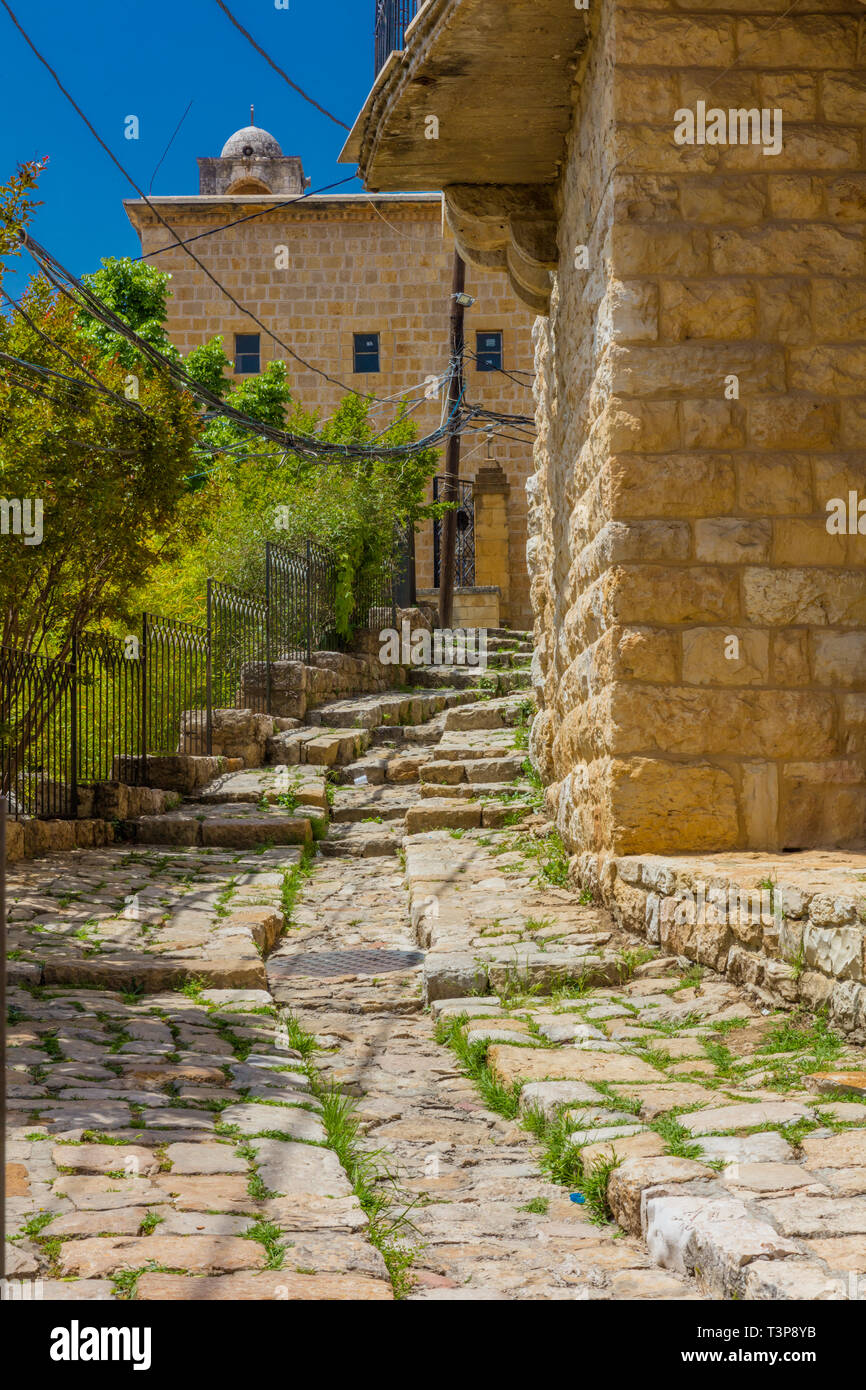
{"x": 403, "y": 1057}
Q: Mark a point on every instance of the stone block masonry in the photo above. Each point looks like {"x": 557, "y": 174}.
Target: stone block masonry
{"x": 354, "y": 265}
{"x": 791, "y": 929}
{"x": 702, "y": 385}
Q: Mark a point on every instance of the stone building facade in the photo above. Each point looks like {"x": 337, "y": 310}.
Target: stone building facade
{"x": 330, "y": 271}
{"x": 701, "y": 383}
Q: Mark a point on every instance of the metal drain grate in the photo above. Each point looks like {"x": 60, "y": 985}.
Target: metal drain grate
{"x": 330, "y": 963}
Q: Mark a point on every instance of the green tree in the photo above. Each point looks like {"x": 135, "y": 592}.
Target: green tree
{"x": 108, "y": 473}
{"x": 359, "y": 511}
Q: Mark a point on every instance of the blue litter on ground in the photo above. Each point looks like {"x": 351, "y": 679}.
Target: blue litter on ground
{"x": 577, "y": 1197}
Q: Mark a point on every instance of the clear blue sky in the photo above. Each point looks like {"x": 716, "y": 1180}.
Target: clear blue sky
{"x": 149, "y": 58}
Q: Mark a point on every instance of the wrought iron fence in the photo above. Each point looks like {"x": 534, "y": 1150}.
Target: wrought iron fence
{"x": 464, "y": 545}
{"x": 98, "y": 716}
{"x": 38, "y": 727}
{"x": 110, "y": 710}
{"x": 393, "y": 18}
{"x": 240, "y": 660}
{"x": 288, "y": 583}
{"x": 175, "y": 679}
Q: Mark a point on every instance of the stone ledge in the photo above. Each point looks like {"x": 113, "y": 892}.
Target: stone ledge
{"x": 790, "y": 928}
{"x": 28, "y": 839}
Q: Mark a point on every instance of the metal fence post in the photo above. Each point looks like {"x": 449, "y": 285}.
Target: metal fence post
{"x": 267, "y": 627}
{"x": 73, "y": 720}
{"x": 3, "y": 1037}
{"x": 209, "y": 671}
{"x": 309, "y": 608}
{"x": 143, "y": 698}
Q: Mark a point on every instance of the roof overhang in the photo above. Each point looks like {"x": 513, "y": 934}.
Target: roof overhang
{"x": 479, "y": 104}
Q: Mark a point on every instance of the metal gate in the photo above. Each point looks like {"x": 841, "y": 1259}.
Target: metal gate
{"x": 464, "y": 546}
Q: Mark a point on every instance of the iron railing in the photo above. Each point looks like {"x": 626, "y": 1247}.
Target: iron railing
{"x": 110, "y": 710}
{"x": 99, "y": 715}
{"x": 38, "y": 726}
{"x": 393, "y": 18}
{"x": 238, "y": 635}
{"x": 176, "y": 665}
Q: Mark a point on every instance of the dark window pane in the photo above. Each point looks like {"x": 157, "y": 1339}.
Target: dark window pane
{"x": 248, "y": 356}
{"x": 366, "y": 352}
{"x": 488, "y": 350}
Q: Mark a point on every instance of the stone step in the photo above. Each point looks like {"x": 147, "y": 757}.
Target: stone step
{"x": 467, "y": 790}
{"x": 485, "y": 714}
{"x": 227, "y": 826}
{"x": 518, "y": 678}
{"x": 361, "y": 804}
{"x": 464, "y": 678}
{"x": 151, "y": 974}
{"x": 369, "y": 770}
{"x": 443, "y": 813}
{"x": 509, "y": 634}
{"x": 175, "y": 772}
{"x": 475, "y": 770}
{"x": 453, "y": 973}
{"x": 392, "y": 708}
{"x": 474, "y": 682}
{"x": 409, "y": 766}
{"x": 408, "y": 733}
{"x": 463, "y": 813}
{"x": 268, "y": 784}
{"x": 363, "y": 841}
{"x": 317, "y": 747}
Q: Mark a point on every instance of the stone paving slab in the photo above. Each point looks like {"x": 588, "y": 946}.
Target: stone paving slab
{"x": 577, "y": 1115}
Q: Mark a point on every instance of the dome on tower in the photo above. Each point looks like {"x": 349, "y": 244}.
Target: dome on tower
{"x": 251, "y": 143}
{"x": 252, "y": 163}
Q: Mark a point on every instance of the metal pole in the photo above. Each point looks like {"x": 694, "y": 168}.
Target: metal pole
{"x": 3, "y": 1036}
{"x": 452, "y": 452}
{"x": 309, "y": 610}
{"x": 142, "y": 657}
{"x": 73, "y": 719}
{"x": 267, "y": 627}
{"x": 209, "y": 671}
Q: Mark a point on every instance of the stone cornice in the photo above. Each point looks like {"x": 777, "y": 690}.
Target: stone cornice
{"x": 510, "y": 228}
{"x": 196, "y": 210}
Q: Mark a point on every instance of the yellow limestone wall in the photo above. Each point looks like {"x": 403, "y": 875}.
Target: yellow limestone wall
{"x": 671, "y": 513}
{"x": 356, "y": 264}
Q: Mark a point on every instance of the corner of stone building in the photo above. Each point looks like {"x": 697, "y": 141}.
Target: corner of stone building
{"x": 699, "y": 634}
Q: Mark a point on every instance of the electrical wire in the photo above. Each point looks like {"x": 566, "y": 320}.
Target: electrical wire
{"x": 268, "y": 59}
{"x": 169, "y": 145}
{"x": 502, "y": 372}
{"x": 126, "y": 174}
{"x": 248, "y": 217}
{"x": 100, "y": 385}
{"x": 79, "y": 294}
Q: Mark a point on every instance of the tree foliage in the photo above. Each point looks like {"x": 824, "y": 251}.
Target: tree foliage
{"x": 108, "y": 473}
{"x": 145, "y": 498}
{"x": 359, "y": 511}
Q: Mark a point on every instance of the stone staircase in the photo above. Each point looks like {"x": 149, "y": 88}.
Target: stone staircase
{"x": 359, "y": 773}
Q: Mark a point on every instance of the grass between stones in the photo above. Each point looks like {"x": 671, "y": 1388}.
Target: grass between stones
{"x": 373, "y": 1182}
{"x": 560, "y": 1159}
{"x": 503, "y": 1100}
{"x": 293, "y": 881}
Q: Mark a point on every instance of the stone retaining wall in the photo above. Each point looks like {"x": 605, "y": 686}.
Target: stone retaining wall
{"x": 27, "y": 839}
{"x": 794, "y": 933}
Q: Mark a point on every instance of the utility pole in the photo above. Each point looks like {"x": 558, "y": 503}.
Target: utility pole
{"x": 452, "y": 451}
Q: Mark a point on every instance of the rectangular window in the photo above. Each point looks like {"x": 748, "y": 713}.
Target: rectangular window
{"x": 248, "y": 353}
{"x": 366, "y": 352}
{"x": 488, "y": 350}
